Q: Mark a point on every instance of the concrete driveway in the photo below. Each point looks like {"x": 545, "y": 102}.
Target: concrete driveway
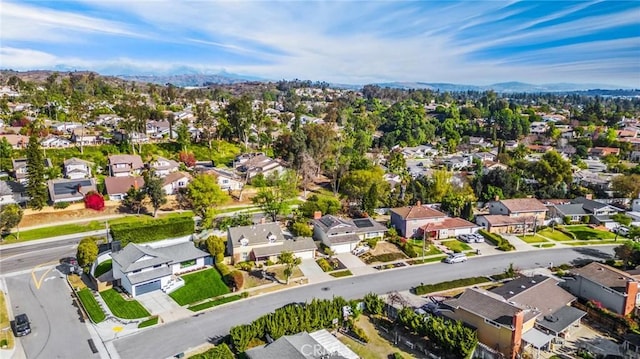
{"x": 313, "y": 272}
{"x": 159, "y": 303}
{"x": 354, "y": 264}
{"x": 519, "y": 243}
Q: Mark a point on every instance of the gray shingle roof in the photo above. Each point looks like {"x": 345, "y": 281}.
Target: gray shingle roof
{"x": 540, "y": 293}
{"x": 255, "y": 234}
{"x": 489, "y": 306}
{"x": 148, "y": 275}
{"x": 292, "y": 347}
{"x": 333, "y": 225}
{"x": 300, "y": 244}
{"x": 11, "y": 187}
{"x": 575, "y": 209}
{"x": 561, "y": 319}
{"x": 129, "y": 258}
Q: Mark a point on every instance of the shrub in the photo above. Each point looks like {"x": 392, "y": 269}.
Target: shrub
{"x": 586, "y": 219}
{"x": 568, "y": 233}
{"x": 301, "y": 229}
{"x": 236, "y": 279}
{"x": 269, "y": 262}
{"x": 61, "y": 205}
{"x": 452, "y": 284}
{"x": 372, "y": 242}
{"x": 188, "y": 158}
{"x": 139, "y": 232}
{"x": 358, "y": 332}
{"x": 223, "y": 269}
{"x": 246, "y": 266}
{"x": 324, "y": 264}
{"x": 94, "y": 200}
{"x": 502, "y": 243}
{"x": 566, "y": 220}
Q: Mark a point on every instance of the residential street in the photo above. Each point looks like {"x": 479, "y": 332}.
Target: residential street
{"x": 176, "y": 337}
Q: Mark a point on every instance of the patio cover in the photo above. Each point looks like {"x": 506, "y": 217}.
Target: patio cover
{"x": 537, "y": 338}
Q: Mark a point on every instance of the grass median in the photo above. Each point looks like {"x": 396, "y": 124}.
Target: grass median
{"x": 452, "y": 284}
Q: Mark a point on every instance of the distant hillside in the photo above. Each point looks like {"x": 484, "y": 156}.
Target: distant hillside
{"x": 500, "y": 87}
{"x": 190, "y": 80}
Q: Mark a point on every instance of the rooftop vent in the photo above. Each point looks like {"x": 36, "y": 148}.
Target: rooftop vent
{"x": 533, "y": 281}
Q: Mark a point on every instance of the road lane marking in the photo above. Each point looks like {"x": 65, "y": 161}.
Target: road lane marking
{"x": 36, "y": 281}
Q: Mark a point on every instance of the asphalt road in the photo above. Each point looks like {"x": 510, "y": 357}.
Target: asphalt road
{"x": 173, "y": 338}
{"x": 57, "y": 328}
{"x": 25, "y": 257}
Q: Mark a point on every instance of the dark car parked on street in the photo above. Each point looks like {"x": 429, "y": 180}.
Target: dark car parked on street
{"x": 22, "y": 325}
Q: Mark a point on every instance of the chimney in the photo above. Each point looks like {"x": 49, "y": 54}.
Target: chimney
{"x": 317, "y": 215}
{"x": 263, "y": 220}
{"x": 630, "y": 300}
{"x": 418, "y": 204}
{"x": 589, "y": 196}
{"x": 496, "y": 198}
{"x": 516, "y": 336}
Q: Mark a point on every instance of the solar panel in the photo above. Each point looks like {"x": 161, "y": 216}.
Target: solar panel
{"x": 69, "y": 188}
{"x": 362, "y": 223}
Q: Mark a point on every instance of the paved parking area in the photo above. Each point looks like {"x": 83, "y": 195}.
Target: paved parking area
{"x": 157, "y": 302}
{"x": 313, "y": 272}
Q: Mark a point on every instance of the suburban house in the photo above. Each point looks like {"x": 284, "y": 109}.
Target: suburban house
{"x": 162, "y": 167}
{"x": 142, "y": 269}
{"x": 85, "y": 136}
{"x": 252, "y": 164}
{"x": 265, "y": 241}
{"x": 422, "y": 221}
{"x": 158, "y": 129}
{"x": 604, "y": 151}
{"x": 584, "y": 209}
{"x": 16, "y": 141}
{"x": 227, "y": 180}
{"x": 315, "y": 345}
{"x": 174, "y": 181}
{"x": 12, "y": 192}
{"x": 631, "y": 346}
{"x": 342, "y": 235}
{"x": 125, "y": 165}
{"x": 528, "y": 312}
{"x": 75, "y": 168}
{"x": 615, "y": 289}
{"x": 55, "y": 142}
{"x": 70, "y": 190}
{"x": 516, "y": 215}
{"x": 20, "y": 168}
{"x": 117, "y": 187}
{"x": 133, "y": 137}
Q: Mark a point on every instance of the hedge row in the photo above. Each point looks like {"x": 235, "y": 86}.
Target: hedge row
{"x": 568, "y": 233}
{"x": 140, "y": 232}
{"x": 498, "y": 240}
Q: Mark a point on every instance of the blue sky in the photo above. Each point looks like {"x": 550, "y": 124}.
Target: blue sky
{"x": 356, "y": 42}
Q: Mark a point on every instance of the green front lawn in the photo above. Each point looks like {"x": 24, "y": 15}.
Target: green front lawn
{"x": 586, "y": 233}
{"x": 532, "y": 238}
{"x": 121, "y": 308}
{"x": 456, "y": 246}
{"x": 555, "y": 235}
{"x": 620, "y": 241}
{"x": 200, "y": 286}
{"x": 91, "y": 306}
{"x": 429, "y": 249}
{"x": 426, "y": 260}
{"x": 102, "y": 268}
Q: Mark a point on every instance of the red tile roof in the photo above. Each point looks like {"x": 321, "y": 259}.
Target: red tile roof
{"x": 523, "y": 205}
{"x": 417, "y": 212}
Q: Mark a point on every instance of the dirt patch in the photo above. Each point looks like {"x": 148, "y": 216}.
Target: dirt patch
{"x": 385, "y": 247}
{"x": 76, "y": 211}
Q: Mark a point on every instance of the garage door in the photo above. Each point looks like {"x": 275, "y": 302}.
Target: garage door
{"x": 148, "y": 287}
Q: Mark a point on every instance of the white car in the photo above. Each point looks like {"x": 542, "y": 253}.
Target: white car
{"x": 456, "y": 258}
{"x": 478, "y": 237}
{"x": 466, "y": 238}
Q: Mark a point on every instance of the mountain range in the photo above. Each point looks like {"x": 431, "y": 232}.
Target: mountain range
{"x": 195, "y": 80}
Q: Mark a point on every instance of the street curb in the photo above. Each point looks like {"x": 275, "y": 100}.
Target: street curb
{"x": 52, "y": 239}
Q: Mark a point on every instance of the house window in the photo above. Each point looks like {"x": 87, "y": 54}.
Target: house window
{"x": 225, "y": 181}
{"x": 186, "y": 264}
{"x": 157, "y": 266}
{"x": 137, "y": 271}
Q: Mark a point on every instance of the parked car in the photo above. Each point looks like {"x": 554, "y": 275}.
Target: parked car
{"x": 361, "y": 250}
{"x": 72, "y": 261}
{"x": 456, "y": 258}
{"x": 22, "y": 325}
{"x": 465, "y": 238}
{"x": 478, "y": 237}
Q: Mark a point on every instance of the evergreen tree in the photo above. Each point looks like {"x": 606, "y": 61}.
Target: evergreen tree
{"x": 36, "y": 188}
{"x": 153, "y": 188}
